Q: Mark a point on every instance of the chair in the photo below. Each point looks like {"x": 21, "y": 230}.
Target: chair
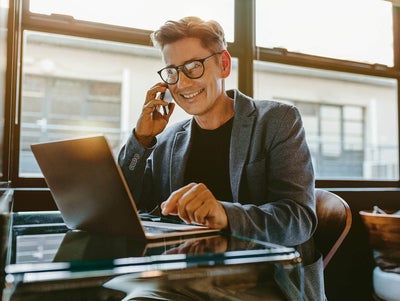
{"x": 334, "y": 222}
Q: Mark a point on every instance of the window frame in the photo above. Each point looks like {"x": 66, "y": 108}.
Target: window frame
{"x": 243, "y": 48}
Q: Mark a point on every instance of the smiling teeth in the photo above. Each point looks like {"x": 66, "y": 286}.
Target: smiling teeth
{"x": 192, "y": 95}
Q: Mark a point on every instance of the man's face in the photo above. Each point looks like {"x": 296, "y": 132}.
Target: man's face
{"x": 196, "y": 96}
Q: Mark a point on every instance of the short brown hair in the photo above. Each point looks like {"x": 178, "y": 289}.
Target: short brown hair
{"x": 210, "y": 33}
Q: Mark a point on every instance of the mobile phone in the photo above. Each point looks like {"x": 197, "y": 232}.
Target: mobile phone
{"x": 168, "y": 98}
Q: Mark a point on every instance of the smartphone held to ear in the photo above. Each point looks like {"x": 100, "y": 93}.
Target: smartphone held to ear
{"x": 168, "y": 98}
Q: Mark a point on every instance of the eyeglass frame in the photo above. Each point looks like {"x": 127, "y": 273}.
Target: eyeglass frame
{"x": 182, "y": 67}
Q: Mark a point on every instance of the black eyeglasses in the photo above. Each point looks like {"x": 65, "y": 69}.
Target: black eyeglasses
{"x": 193, "y": 69}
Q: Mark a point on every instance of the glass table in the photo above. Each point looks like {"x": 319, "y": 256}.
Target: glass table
{"x": 47, "y": 261}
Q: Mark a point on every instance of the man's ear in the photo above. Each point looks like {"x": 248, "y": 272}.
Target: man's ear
{"x": 225, "y": 63}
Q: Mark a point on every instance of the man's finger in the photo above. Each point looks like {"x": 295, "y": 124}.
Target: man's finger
{"x": 169, "y": 206}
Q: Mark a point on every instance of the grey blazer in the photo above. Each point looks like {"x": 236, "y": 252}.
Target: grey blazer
{"x": 271, "y": 173}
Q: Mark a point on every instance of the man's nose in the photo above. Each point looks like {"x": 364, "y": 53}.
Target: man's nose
{"x": 183, "y": 80}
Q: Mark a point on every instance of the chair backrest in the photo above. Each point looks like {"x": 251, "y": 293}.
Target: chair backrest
{"x": 334, "y": 222}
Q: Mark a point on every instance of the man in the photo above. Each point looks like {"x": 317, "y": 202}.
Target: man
{"x": 238, "y": 165}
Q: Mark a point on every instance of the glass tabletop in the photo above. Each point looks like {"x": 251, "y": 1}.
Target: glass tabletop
{"x": 41, "y": 241}
{"x": 44, "y": 252}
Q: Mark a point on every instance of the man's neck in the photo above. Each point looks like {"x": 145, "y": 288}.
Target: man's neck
{"x": 218, "y": 116}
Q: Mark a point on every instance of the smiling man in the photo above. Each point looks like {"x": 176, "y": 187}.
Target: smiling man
{"x": 240, "y": 165}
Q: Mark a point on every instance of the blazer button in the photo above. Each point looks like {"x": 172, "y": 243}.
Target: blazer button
{"x": 134, "y": 161}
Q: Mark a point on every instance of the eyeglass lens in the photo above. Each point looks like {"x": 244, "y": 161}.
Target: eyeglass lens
{"x": 193, "y": 69}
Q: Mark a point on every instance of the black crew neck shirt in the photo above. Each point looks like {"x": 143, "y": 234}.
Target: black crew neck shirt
{"x": 208, "y": 160}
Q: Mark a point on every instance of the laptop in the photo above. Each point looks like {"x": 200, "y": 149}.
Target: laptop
{"x": 90, "y": 191}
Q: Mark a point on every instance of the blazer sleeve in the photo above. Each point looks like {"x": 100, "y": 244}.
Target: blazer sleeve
{"x": 133, "y": 160}
{"x": 279, "y": 203}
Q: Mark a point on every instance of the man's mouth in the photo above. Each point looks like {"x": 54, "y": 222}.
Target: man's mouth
{"x": 191, "y": 95}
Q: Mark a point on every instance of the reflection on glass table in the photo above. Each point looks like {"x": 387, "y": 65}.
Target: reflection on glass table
{"x": 44, "y": 256}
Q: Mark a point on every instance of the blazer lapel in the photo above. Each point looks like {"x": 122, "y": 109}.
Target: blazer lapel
{"x": 243, "y": 125}
{"x": 179, "y": 156}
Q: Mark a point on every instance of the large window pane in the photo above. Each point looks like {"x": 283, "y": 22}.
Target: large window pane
{"x": 75, "y": 87}
{"x": 350, "y": 120}
{"x": 149, "y": 14}
{"x": 358, "y": 30}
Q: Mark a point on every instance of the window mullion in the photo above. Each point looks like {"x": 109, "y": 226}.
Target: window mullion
{"x": 396, "y": 37}
{"x": 244, "y": 43}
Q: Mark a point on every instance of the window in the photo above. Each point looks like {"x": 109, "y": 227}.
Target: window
{"x": 337, "y": 148}
{"x": 56, "y": 108}
{"x": 336, "y": 62}
{"x": 356, "y": 30}
{"x": 73, "y": 86}
{"x": 350, "y": 120}
{"x": 76, "y": 70}
{"x": 139, "y": 14}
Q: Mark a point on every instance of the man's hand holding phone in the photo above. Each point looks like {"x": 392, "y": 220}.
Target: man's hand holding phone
{"x": 155, "y": 114}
